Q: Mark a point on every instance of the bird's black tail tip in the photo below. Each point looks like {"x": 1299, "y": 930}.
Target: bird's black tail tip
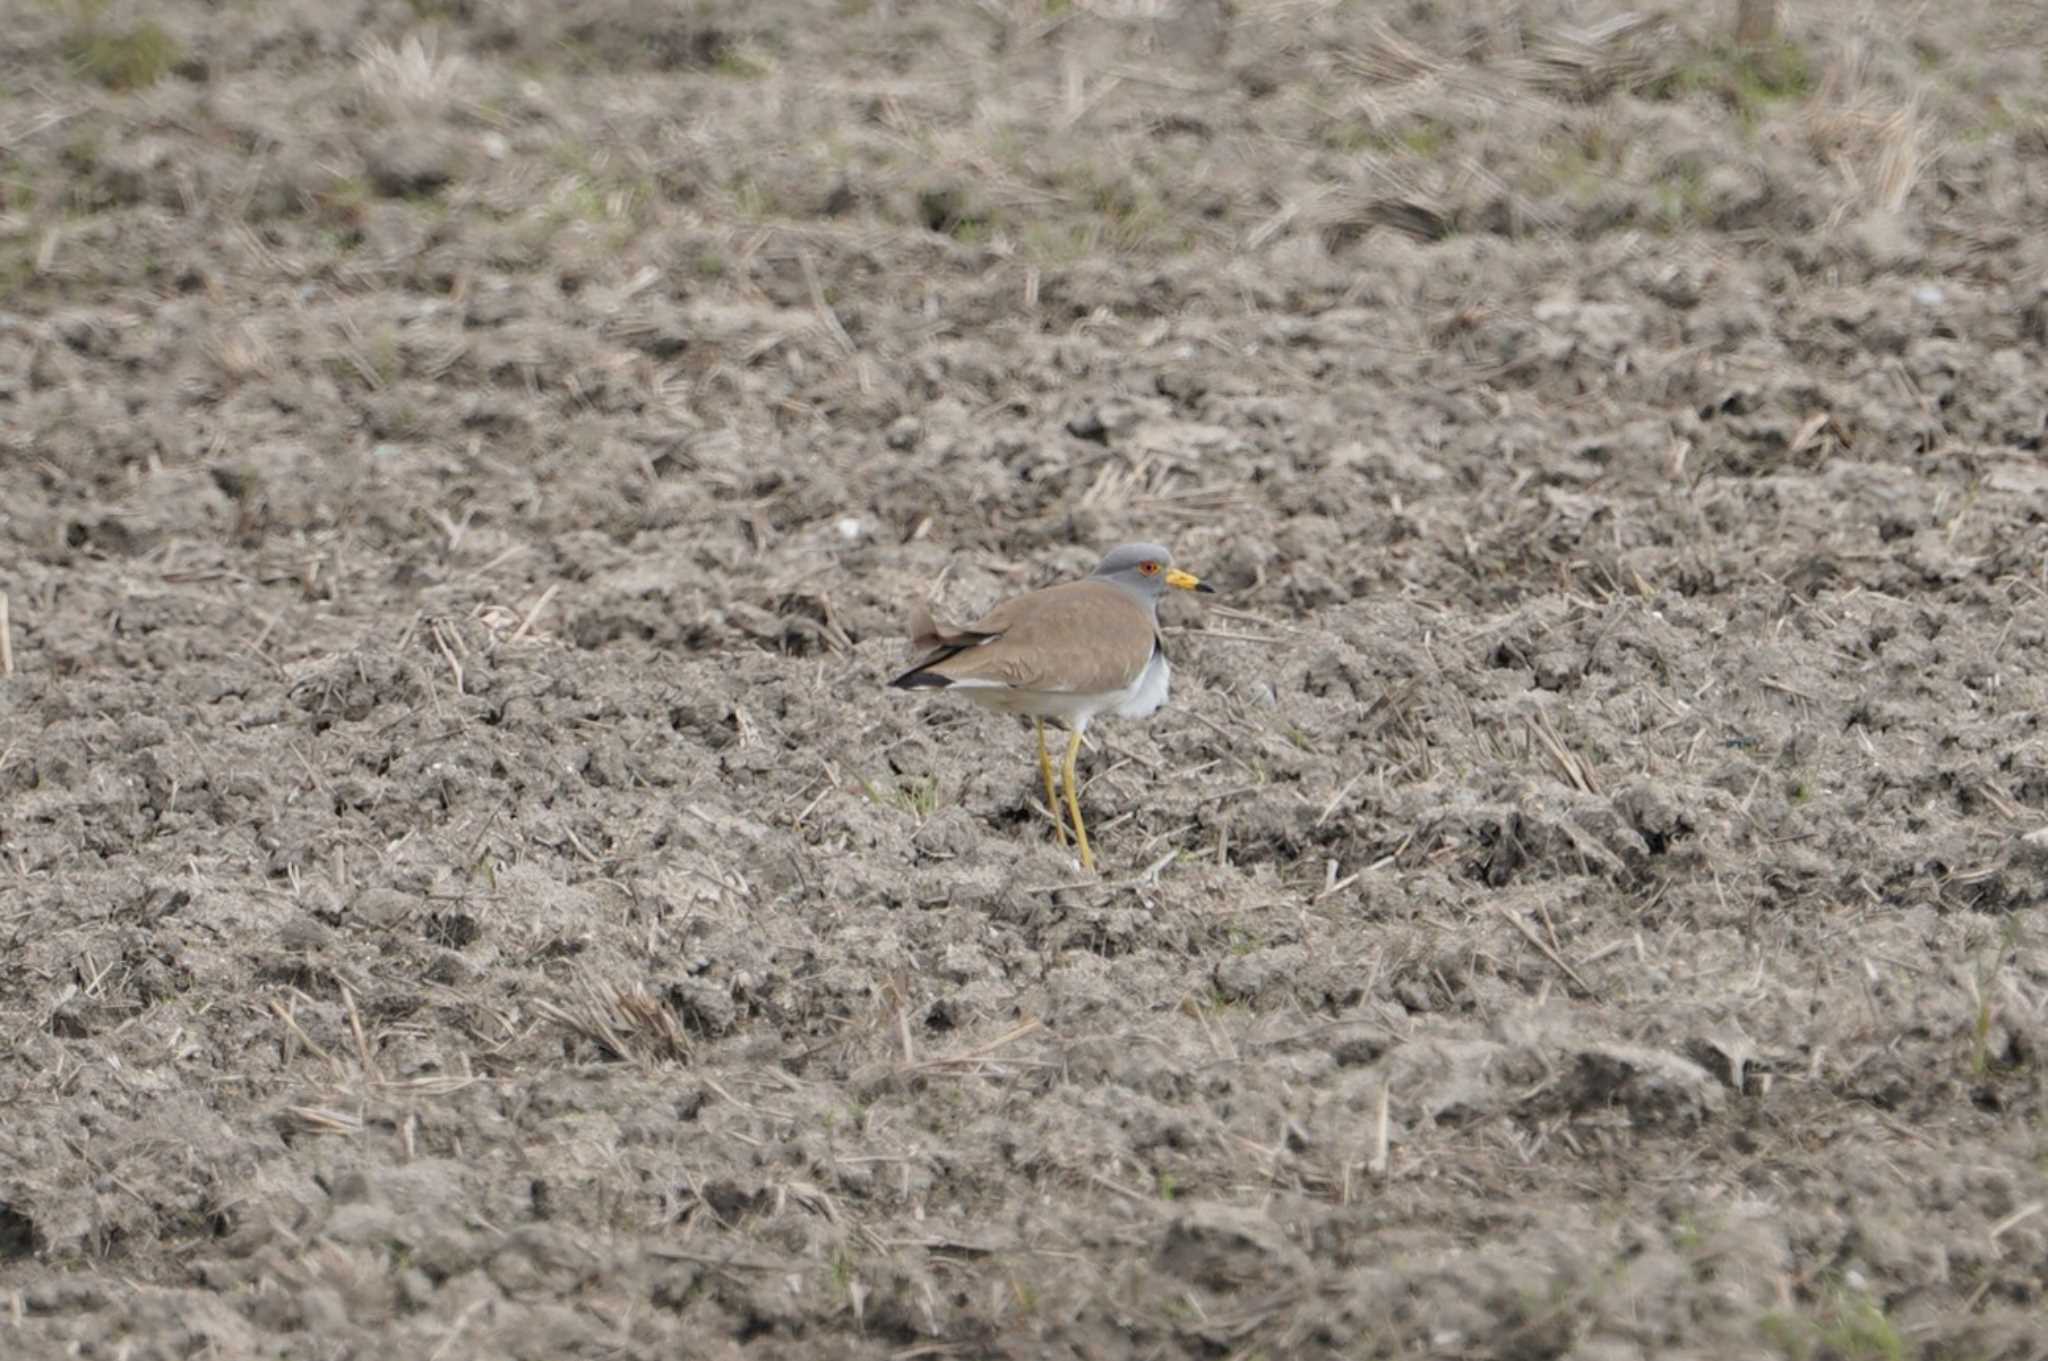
{"x": 919, "y": 680}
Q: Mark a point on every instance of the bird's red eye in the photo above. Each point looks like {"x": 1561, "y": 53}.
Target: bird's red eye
{"x": 1150, "y": 569}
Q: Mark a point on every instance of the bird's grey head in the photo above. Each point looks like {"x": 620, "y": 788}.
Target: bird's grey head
{"x": 1145, "y": 570}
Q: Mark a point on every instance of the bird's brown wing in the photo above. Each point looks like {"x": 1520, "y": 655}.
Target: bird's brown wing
{"x": 1083, "y": 637}
{"x": 927, "y": 639}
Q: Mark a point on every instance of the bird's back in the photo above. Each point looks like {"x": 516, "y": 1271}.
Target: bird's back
{"x": 1080, "y": 637}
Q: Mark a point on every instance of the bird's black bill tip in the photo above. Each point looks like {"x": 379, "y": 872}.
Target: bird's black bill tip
{"x": 1204, "y": 588}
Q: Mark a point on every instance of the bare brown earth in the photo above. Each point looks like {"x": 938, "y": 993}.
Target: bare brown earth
{"x": 465, "y": 891}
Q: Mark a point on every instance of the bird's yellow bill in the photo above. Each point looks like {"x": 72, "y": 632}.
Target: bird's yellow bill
{"x": 1186, "y": 581}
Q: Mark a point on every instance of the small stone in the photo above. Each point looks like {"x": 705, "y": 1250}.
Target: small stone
{"x": 1884, "y": 241}
{"x": 409, "y": 165}
{"x": 323, "y": 1311}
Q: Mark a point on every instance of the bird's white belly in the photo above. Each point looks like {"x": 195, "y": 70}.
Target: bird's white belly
{"x": 1149, "y": 693}
{"x": 1069, "y": 708}
{"x": 1075, "y": 709}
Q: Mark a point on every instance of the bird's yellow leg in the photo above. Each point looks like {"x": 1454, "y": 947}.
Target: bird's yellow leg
{"x": 1074, "y": 801}
{"x": 1052, "y": 799}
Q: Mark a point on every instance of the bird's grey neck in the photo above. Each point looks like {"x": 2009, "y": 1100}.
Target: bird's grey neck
{"x": 1149, "y": 600}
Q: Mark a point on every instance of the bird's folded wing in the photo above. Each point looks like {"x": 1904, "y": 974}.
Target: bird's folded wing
{"x": 1085, "y": 637}
{"x": 927, "y": 639}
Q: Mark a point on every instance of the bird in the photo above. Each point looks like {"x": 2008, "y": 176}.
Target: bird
{"x": 1069, "y": 654}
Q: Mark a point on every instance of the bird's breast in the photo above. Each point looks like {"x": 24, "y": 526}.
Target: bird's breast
{"x": 1150, "y": 692}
